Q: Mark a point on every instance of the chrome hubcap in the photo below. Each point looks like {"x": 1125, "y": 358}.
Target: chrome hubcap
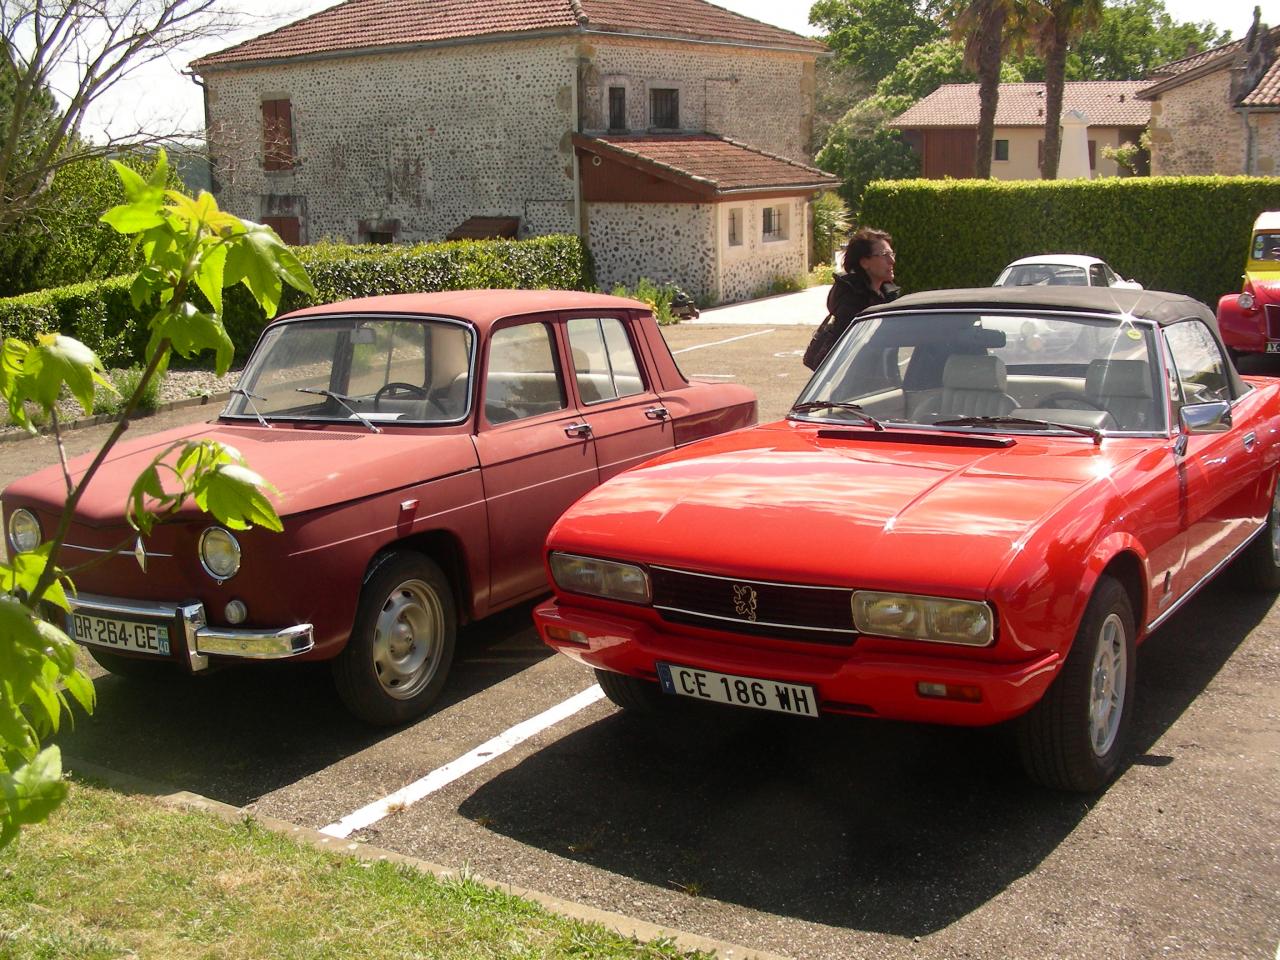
{"x": 406, "y": 641}
{"x": 1106, "y": 696}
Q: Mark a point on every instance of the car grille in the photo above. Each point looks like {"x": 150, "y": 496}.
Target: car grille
{"x": 1273, "y": 321}
{"x": 784, "y": 611}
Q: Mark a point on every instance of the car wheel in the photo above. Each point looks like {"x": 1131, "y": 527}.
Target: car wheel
{"x": 630, "y": 693}
{"x": 134, "y": 668}
{"x": 1074, "y": 738}
{"x": 397, "y": 659}
{"x": 1261, "y": 559}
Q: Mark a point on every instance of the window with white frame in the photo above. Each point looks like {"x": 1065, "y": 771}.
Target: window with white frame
{"x": 735, "y": 226}
{"x": 774, "y": 223}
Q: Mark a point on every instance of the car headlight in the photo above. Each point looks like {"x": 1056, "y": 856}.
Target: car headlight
{"x": 1245, "y": 300}
{"x": 601, "y": 578}
{"x": 24, "y": 530}
{"x": 935, "y": 619}
{"x": 219, "y": 553}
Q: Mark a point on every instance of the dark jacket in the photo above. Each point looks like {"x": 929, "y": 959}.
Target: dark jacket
{"x": 851, "y": 294}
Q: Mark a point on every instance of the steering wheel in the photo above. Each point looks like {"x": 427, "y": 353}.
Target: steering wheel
{"x": 1069, "y": 401}
{"x": 399, "y": 386}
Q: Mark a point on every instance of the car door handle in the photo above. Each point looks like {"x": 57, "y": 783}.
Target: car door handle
{"x": 1250, "y": 441}
{"x": 658, "y": 413}
{"x": 578, "y": 430}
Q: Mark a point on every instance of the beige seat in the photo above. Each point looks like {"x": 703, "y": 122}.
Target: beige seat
{"x": 1123, "y": 389}
{"x": 972, "y": 386}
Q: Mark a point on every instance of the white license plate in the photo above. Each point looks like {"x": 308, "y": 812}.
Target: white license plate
{"x": 794, "y": 698}
{"x": 1273, "y": 346}
{"x": 135, "y": 636}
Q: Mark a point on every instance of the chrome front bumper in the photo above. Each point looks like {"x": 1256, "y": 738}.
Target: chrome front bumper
{"x": 202, "y": 640}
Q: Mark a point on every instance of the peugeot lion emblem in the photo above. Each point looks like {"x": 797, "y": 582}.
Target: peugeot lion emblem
{"x": 744, "y": 601}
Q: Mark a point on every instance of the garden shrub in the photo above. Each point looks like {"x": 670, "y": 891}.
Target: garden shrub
{"x": 101, "y": 315}
{"x": 1185, "y": 234}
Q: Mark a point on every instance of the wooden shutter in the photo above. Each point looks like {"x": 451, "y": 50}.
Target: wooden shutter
{"x": 277, "y": 135}
{"x": 1093, "y": 155}
{"x": 289, "y": 228}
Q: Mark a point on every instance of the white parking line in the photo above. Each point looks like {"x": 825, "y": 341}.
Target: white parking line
{"x": 451, "y": 771}
{"x": 716, "y": 343}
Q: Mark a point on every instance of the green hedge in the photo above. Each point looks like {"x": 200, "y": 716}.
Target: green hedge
{"x": 1186, "y": 234}
{"x": 100, "y": 314}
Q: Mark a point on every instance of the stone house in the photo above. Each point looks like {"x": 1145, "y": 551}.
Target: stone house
{"x": 942, "y": 128}
{"x": 1219, "y": 111}
{"x": 668, "y": 133}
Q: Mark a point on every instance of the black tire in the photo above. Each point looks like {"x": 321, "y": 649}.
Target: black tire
{"x": 397, "y": 658}
{"x": 1075, "y": 737}
{"x": 1260, "y": 561}
{"x": 630, "y": 693}
{"x": 134, "y": 668}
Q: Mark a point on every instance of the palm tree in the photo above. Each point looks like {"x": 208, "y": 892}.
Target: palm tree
{"x": 981, "y": 27}
{"x": 1054, "y": 24}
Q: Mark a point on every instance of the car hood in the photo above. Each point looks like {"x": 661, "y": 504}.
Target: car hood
{"x": 782, "y": 503}
{"x": 1265, "y": 280}
{"x": 309, "y": 468}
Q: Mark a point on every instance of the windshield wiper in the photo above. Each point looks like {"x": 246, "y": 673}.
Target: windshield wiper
{"x": 1084, "y": 431}
{"x": 249, "y": 398}
{"x": 345, "y": 401}
{"x": 837, "y": 405}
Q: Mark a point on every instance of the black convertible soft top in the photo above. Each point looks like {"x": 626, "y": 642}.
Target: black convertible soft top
{"x": 1154, "y": 306}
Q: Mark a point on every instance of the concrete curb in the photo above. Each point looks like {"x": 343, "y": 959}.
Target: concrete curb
{"x": 11, "y": 436}
{"x": 619, "y": 923}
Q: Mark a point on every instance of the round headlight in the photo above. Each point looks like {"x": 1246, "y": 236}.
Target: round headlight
{"x": 219, "y": 553}
{"x": 1245, "y": 300}
{"x": 24, "y": 530}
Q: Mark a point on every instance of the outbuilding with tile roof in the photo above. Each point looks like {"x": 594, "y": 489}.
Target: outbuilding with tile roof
{"x": 1218, "y": 111}
{"x": 943, "y": 127}
{"x": 403, "y": 120}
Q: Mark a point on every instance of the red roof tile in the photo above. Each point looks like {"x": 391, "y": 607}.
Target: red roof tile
{"x": 1267, "y": 92}
{"x": 1177, "y": 72}
{"x": 714, "y": 163}
{"x": 1106, "y": 103}
{"x": 359, "y": 25}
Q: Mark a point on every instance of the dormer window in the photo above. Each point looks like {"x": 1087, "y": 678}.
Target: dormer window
{"x": 664, "y": 108}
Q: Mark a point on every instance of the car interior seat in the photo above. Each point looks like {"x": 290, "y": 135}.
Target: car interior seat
{"x": 1123, "y": 389}
{"x": 972, "y": 386}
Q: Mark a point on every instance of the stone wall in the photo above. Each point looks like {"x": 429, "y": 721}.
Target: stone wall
{"x": 415, "y": 142}
{"x": 666, "y": 242}
{"x": 1194, "y": 130}
{"x": 759, "y": 97}
{"x": 748, "y": 269}
{"x": 1266, "y": 144}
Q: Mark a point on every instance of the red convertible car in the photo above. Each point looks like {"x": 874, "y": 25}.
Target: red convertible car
{"x": 1250, "y": 320}
{"x": 421, "y": 446}
{"x": 949, "y": 526}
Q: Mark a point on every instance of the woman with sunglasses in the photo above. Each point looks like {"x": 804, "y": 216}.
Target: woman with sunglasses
{"x": 867, "y": 280}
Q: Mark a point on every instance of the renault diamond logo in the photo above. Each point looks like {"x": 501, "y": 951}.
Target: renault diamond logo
{"x": 744, "y": 601}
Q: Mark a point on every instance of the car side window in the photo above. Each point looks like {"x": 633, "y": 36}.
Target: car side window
{"x": 1198, "y": 362}
{"x": 522, "y": 378}
{"x": 604, "y": 364}
{"x": 1098, "y": 275}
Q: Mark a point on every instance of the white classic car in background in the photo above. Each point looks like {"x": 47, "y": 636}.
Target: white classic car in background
{"x": 1062, "y": 269}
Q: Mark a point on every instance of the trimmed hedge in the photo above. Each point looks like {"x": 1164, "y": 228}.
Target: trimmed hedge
{"x": 101, "y": 315}
{"x": 1185, "y": 234}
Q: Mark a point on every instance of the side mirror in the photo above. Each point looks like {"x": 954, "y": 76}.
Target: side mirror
{"x": 1214, "y": 417}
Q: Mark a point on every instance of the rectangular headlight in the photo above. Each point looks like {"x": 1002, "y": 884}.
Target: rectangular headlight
{"x": 934, "y": 619}
{"x": 601, "y": 578}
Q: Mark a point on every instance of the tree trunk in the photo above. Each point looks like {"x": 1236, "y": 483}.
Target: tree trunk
{"x": 990, "y": 48}
{"x": 1055, "y": 68}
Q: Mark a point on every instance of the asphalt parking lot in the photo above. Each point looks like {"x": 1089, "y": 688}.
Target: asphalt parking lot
{"x": 812, "y": 839}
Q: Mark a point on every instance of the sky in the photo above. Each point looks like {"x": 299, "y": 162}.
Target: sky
{"x": 160, "y": 97}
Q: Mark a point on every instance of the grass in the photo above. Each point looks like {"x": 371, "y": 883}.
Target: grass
{"x": 126, "y": 381}
{"x": 111, "y": 875}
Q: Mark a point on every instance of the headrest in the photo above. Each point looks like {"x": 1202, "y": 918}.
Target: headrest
{"x": 1118, "y": 378}
{"x": 974, "y": 372}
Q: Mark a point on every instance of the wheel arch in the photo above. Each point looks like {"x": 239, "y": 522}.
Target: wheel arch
{"x": 445, "y": 548}
{"x": 1128, "y": 569}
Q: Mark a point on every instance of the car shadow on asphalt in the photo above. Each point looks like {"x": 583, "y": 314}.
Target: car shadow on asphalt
{"x": 870, "y": 825}
{"x": 237, "y": 734}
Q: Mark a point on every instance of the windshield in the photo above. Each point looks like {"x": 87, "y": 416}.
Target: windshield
{"x": 1009, "y": 373}
{"x": 362, "y": 368}
{"x": 1043, "y": 274}
{"x": 1266, "y": 246}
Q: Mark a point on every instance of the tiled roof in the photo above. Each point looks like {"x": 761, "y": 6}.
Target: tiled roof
{"x": 1106, "y": 103}
{"x": 1267, "y": 92}
{"x": 1175, "y": 67}
{"x": 714, "y": 163}
{"x": 359, "y": 25}
{"x": 1225, "y": 57}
